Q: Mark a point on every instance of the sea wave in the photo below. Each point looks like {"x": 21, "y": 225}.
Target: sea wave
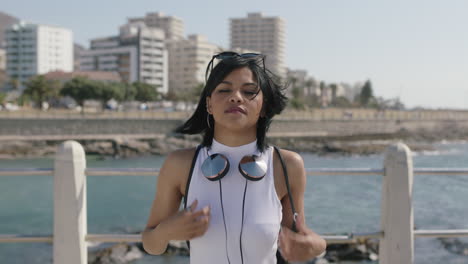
{"x": 452, "y": 151}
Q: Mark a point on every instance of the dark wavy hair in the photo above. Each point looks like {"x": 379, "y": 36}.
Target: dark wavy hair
{"x": 274, "y": 99}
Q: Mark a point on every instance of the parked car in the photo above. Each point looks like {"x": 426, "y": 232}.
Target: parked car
{"x": 11, "y": 107}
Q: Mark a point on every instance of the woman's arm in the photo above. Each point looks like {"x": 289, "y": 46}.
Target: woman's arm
{"x": 305, "y": 244}
{"x": 166, "y": 222}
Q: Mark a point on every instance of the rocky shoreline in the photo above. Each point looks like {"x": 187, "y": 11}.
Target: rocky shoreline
{"x": 365, "y": 250}
{"x": 125, "y": 147}
{"x": 361, "y": 250}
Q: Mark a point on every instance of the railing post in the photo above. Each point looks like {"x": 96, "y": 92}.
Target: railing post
{"x": 70, "y": 225}
{"x": 397, "y": 244}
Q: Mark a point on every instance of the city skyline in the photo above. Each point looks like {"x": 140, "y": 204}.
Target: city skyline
{"x": 416, "y": 51}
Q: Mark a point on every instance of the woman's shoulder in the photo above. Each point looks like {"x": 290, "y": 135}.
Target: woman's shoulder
{"x": 294, "y": 164}
{"x": 177, "y": 165}
{"x": 180, "y": 157}
{"x": 291, "y": 158}
{"x": 176, "y": 168}
{"x": 295, "y": 171}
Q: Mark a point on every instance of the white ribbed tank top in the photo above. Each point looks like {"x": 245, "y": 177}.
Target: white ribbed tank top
{"x": 262, "y": 210}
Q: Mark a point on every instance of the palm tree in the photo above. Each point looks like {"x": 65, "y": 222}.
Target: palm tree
{"x": 333, "y": 87}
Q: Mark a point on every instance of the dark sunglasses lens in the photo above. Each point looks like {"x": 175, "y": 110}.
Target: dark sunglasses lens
{"x": 249, "y": 55}
{"x": 252, "y": 167}
{"x": 215, "y": 167}
{"x": 225, "y": 55}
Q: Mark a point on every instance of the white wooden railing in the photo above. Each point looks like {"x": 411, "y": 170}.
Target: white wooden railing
{"x": 70, "y": 235}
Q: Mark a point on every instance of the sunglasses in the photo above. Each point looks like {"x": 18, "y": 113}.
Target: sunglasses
{"x": 216, "y": 166}
{"x": 231, "y": 54}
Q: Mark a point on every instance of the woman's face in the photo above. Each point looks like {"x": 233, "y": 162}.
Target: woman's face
{"x": 236, "y": 103}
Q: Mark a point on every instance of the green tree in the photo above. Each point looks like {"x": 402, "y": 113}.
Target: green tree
{"x": 334, "y": 89}
{"x": 366, "y": 93}
{"x": 312, "y": 101}
{"x": 296, "y": 104}
{"x": 14, "y": 84}
{"x": 322, "y": 86}
{"x": 310, "y": 84}
{"x": 40, "y": 90}
{"x": 342, "y": 101}
{"x": 296, "y": 92}
{"x": 171, "y": 96}
{"x": 145, "y": 92}
{"x": 106, "y": 91}
{"x": 2, "y": 98}
{"x": 81, "y": 89}
{"x": 323, "y": 96}
{"x": 129, "y": 92}
{"x": 297, "y": 100}
{"x": 292, "y": 82}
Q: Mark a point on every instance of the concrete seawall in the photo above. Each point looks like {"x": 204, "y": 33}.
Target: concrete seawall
{"x": 26, "y": 127}
{"x": 141, "y": 127}
{"x": 361, "y": 127}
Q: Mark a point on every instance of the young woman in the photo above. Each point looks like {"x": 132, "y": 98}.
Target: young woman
{"x": 244, "y": 200}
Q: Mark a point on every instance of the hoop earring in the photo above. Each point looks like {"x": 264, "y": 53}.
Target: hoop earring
{"x": 208, "y": 120}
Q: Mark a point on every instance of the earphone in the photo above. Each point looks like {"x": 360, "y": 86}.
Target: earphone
{"x": 286, "y": 178}
{"x": 251, "y": 167}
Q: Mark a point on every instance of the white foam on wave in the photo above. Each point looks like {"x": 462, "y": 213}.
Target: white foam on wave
{"x": 452, "y": 151}
{"x": 452, "y": 142}
{"x": 93, "y": 244}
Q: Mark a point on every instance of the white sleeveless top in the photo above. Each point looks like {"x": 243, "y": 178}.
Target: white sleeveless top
{"x": 262, "y": 210}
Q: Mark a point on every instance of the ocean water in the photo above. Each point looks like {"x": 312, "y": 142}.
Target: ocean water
{"x": 333, "y": 204}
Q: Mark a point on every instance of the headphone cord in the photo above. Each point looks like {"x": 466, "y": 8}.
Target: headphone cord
{"x": 224, "y": 220}
{"x": 242, "y": 224}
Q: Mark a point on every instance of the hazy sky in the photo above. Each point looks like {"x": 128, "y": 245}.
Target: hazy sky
{"x": 414, "y": 49}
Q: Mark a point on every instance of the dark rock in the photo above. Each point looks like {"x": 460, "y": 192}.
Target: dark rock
{"x": 366, "y": 250}
{"x": 178, "y": 248}
{"x": 105, "y": 148}
{"x": 174, "y": 248}
{"x": 455, "y": 246}
{"x": 117, "y": 254}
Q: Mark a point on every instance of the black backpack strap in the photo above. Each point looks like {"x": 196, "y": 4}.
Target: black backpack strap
{"x": 187, "y": 185}
{"x": 285, "y": 172}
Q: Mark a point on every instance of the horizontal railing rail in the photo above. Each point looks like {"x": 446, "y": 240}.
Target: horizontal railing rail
{"x": 309, "y": 171}
{"x": 27, "y": 172}
{"x": 330, "y": 238}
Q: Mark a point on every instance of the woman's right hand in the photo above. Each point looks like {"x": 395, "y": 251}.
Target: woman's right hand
{"x": 187, "y": 224}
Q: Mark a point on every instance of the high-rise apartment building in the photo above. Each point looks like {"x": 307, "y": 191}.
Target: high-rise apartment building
{"x": 188, "y": 59}
{"x": 77, "y": 49}
{"x": 2, "y": 59}
{"x": 173, "y": 27}
{"x": 37, "y": 49}
{"x": 6, "y": 21}
{"x": 264, "y": 34}
{"x": 138, "y": 53}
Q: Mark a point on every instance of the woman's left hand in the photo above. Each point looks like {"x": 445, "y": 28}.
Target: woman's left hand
{"x": 301, "y": 246}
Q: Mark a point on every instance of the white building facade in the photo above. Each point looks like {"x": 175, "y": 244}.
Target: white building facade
{"x": 2, "y": 59}
{"x": 188, "y": 59}
{"x": 138, "y": 54}
{"x": 264, "y": 34}
{"x": 172, "y": 26}
{"x": 34, "y": 49}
